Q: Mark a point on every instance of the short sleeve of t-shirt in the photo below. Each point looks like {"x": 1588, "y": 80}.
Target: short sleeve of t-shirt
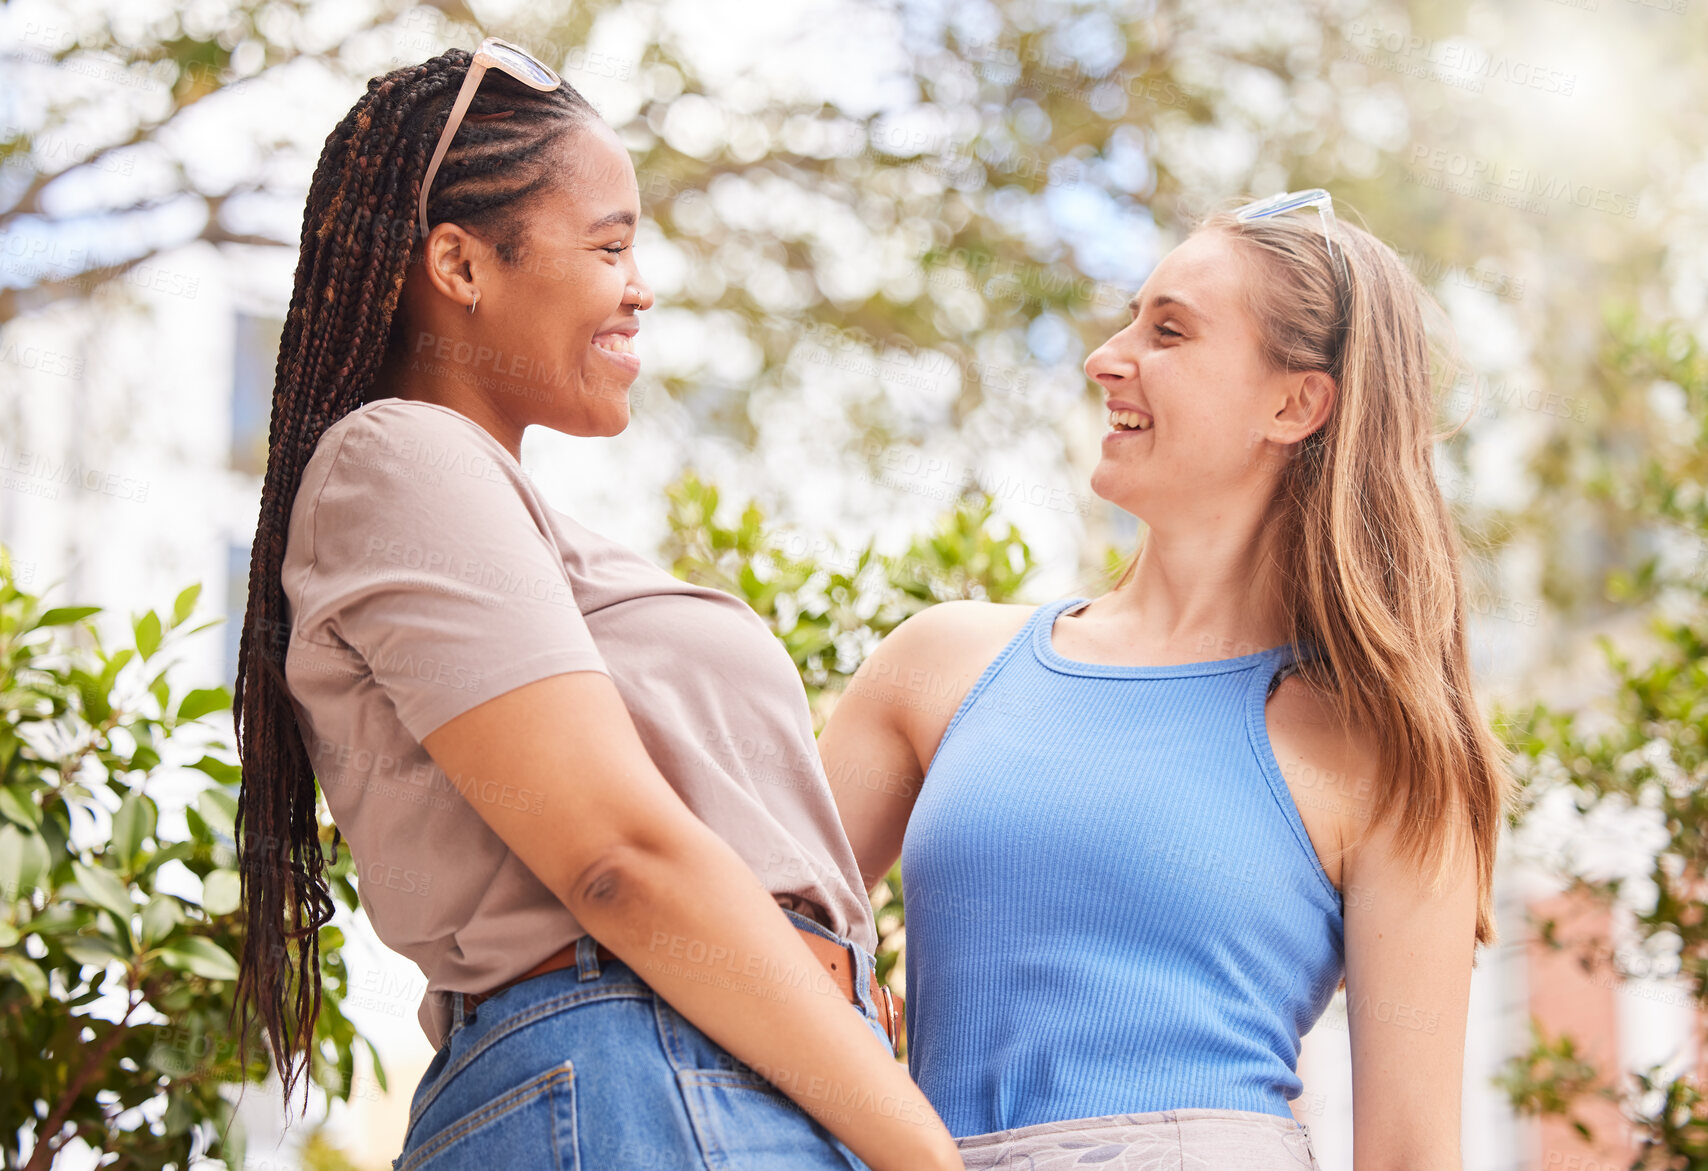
{"x": 430, "y": 566}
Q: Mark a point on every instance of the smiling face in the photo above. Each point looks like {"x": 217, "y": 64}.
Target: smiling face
{"x": 569, "y": 300}
{"x": 1196, "y": 411}
{"x": 551, "y": 336}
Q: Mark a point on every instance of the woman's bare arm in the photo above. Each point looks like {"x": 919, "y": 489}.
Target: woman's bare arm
{"x": 873, "y": 769}
{"x": 1408, "y": 980}
{"x": 651, "y": 882}
{"x": 887, "y": 725}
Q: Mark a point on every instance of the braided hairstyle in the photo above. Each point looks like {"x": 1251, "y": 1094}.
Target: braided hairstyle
{"x": 358, "y": 246}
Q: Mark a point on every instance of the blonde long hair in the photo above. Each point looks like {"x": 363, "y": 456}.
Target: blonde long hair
{"x": 1366, "y": 547}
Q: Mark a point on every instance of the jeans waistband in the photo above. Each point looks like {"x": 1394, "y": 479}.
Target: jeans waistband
{"x": 588, "y": 967}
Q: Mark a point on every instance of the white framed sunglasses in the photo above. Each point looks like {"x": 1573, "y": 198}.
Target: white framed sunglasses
{"x": 1315, "y": 197}
{"x": 492, "y": 54}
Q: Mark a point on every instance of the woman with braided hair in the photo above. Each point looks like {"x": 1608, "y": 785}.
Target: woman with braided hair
{"x": 581, "y": 795}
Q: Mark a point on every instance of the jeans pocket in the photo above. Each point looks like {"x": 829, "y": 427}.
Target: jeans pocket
{"x": 744, "y": 1123}
{"x": 533, "y": 1125}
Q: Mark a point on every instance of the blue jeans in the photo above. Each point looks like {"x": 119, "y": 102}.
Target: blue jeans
{"x": 588, "y": 1069}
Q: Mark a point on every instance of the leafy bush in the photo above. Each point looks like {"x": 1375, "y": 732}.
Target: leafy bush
{"x": 1653, "y": 750}
{"x": 831, "y": 606}
{"x": 117, "y": 929}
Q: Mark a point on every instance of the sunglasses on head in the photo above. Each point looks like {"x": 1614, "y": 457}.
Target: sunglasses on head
{"x": 492, "y": 54}
{"x": 1313, "y": 197}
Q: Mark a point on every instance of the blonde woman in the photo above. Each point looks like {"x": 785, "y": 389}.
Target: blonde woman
{"x": 1151, "y": 832}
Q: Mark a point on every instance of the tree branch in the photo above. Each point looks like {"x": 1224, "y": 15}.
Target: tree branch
{"x": 41, "y": 1158}
{"x": 29, "y": 202}
{"x": 12, "y": 300}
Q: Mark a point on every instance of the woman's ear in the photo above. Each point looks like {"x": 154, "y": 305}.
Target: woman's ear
{"x": 454, "y": 258}
{"x": 1310, "y": 398}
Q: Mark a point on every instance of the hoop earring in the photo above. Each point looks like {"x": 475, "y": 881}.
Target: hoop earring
{"x": 474, "y": 302}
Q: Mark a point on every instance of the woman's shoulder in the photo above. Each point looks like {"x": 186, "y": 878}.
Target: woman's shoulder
{"x": 951, "y": 630}
{"x": 395, "y": 457}
{"x": 942, "y": 646}
{"x": 399, "y": 482}
{"x": 919, "y": 675}
{"x": 422, "y": 433}
{"x": 1331, "y": 761}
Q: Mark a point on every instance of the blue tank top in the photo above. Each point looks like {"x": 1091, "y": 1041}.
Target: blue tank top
{"x": 1112, "y": 904}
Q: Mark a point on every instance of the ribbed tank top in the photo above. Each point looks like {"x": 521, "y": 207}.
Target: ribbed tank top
{"x": 1112, "y": 904}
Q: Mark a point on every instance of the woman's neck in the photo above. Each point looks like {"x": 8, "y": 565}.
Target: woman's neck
{"x": 1207, "y": 593}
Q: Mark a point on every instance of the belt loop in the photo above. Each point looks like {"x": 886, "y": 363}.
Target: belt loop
{"x": 883, "y": 1005}
{"x": 892, "y": 1022}
{"x": 459, "y": 1014}
{"x": 865, "y": 976}
{"x": 587, "y": 958}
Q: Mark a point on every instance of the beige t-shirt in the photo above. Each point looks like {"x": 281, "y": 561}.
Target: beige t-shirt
{"x": 424, "y": 575}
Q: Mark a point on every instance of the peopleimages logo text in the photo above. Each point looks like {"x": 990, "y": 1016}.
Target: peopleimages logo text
{"x": 1523, "y": 180}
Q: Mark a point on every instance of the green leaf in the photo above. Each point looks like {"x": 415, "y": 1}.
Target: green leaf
{"x": 148, "y": 633}
{"x": 185, "y": 602}
{"x": 234, "y": 1140}
{"x": 61, "y": 918}
{"x": 379, "y": 1066}
{"x": 222, "y": 771}
{"x": 92, "y": 693}
{"x": 160, "y": 918}
{"x": 180, "y": 1116}
{"x": 24, "y": 970}
{"x": 15, "y": 807}
{"x": 114, "y": 665}
{"x": 65, "y": 615}
{"x": 93, "y": 949}
{"x": 200, "y": 956}
{"x": 219, "y": 809}
{"x": 161, "y": 690}
{"x": 221, "y": 892}
{"x": 104, "y": 889}
{"x": 133, "y": 822}
{"x": 176, "y": 852}
{"x": 201, "y": 701}
{"x": 169, "y": 1056}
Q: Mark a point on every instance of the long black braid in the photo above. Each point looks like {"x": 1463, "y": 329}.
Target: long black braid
{"x": 358, "y": 243}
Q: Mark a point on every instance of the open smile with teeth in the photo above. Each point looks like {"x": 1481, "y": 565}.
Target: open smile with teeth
{"x": 1129, "y": 421}
{"x": 615, "y": 343}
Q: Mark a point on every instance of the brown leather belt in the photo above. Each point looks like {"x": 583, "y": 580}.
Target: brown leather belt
{"x": 838, "y": 961}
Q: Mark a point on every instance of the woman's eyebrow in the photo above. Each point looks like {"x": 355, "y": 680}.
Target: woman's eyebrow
{"x": 615, "y": 219}
{"x": 1160, "y": 300}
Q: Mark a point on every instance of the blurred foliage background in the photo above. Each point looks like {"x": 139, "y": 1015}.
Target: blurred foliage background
{"x": 120, "y": 930}
{"x": 923, "y": 242}
{"x": 884, "y": 236}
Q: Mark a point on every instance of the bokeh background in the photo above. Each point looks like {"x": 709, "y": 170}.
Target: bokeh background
{"x": 883, "y": 237}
